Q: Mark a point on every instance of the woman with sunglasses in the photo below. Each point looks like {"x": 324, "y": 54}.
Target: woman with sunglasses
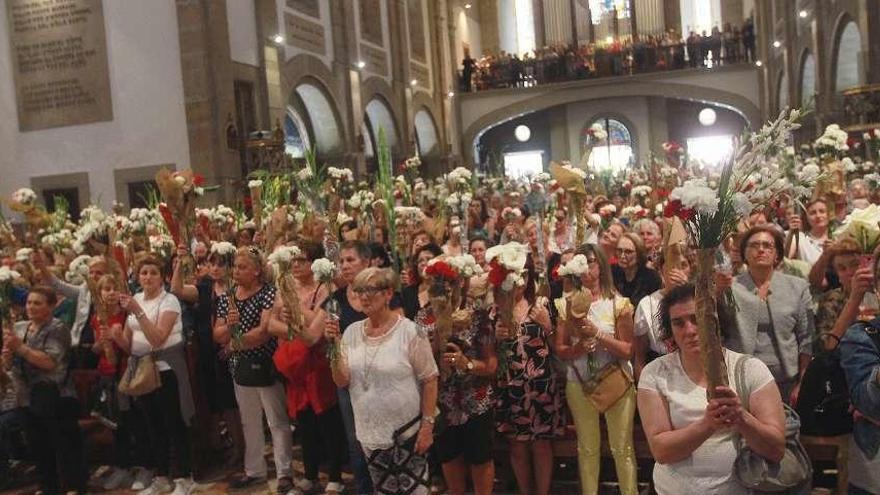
{"x": 242, "y": 325}
{"x": 388, "y": 366}
{"x": 354, "y": 257}
{"x": 212, "y": 371}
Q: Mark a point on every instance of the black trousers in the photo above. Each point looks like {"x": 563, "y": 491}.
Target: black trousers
{"x": 169, "y": 437}
{"x": 57, "y": 445}
{"x": 322, "y": 434}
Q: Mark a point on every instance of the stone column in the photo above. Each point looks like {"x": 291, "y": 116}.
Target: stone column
{"x": 208, "y": 89}
{"x": 633, "y": 21}
{"x": 824, "y": 84}
{"x": 672, "y": 17}
{"x": 572, "y": 7}
{"x": 352, "y": 109}
{"x": 870, "y": 28}
{"x": 538, "y": 21}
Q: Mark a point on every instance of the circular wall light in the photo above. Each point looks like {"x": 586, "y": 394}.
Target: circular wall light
{"x": 707, "y": 117}
{"x": 522, "y": 133}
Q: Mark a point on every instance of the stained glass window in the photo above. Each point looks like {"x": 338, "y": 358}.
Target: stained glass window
{"x": 615, "y": 151}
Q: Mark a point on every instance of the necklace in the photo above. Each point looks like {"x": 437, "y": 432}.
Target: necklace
{"x": 370, "y": 361}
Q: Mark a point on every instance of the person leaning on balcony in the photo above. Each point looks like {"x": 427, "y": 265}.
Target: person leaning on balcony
{"x": 691, "y": 438}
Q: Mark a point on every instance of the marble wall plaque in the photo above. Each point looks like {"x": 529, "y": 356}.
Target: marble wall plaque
{"x": 415, "y": 15}
{"x": 371, "y": 21}
{"x": 59, "y": 62}
{"x": 307, "y": 7}
{"x": 304, "y": 34}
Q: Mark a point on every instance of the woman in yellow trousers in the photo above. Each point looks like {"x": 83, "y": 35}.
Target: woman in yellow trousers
{"x": 586, "y": 345}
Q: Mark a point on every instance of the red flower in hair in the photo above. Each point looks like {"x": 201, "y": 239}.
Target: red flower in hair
{"x": 554, "y": 273}
{"x": 441, "y": 269}
{"x": 674, "y": 208}
{"x": 497, "y": 273}
{"x": 198, "y": 180}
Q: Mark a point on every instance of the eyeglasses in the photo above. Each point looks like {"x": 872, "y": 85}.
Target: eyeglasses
{"x": 761, "y": 245}
{"x": 625, "y": 252}
{"x": 369, "y": 290}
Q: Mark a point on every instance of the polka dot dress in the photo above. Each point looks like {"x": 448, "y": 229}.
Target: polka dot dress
{"x": 250, "y": 310}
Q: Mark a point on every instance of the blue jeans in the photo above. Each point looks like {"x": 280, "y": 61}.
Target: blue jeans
{"x": 356, "y": 457}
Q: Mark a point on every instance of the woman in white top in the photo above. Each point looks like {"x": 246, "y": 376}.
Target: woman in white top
{"x": 691, "y": 438}
{"x": 810, "y": 243}
{"x": 389, "y": 369}
{"x": 154, "y": 326}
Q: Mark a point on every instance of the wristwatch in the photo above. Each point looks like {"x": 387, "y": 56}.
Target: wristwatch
{"x": 429, "y": 419}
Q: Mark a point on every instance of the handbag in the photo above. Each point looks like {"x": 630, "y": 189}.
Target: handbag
{"x": 254, "y": 370}
{"x": 823, "y": 403}
{"x": 757, "y": 473}
{"x": 141, "y": 376}
{"x": 609, "y": 384}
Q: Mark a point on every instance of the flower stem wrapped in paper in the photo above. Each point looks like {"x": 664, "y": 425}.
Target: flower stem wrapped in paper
{"x": 577, "y": 297}
{"x": 711, "y": 208}
{"x": 571, "y": 180}
{"x": 507, "y": 264}
{"x": 256, "y": 189}
{"x": 281, "y": 260}
{"x": 324, "y": 271}
{"x": 179, "y": 191}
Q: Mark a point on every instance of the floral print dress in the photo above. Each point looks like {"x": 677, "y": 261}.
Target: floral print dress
{"x": 530, "y": 403}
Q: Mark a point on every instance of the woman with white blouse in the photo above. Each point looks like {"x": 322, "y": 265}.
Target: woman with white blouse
{"x": 154, "y": 327}
{"x": 388, "y": 367}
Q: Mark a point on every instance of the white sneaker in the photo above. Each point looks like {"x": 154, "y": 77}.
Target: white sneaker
{"x": 117, "y": 479}
{"x": 159, "y": 486}
{"x": 334, "y": 488}
{"x": 302, "y": 486}
{"x": 184, "y": 486}
{"x": 142, "y": 479}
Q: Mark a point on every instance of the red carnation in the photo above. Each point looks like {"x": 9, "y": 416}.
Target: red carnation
{"x": 554, "y": 273}
{"x": 662, "y": 193}
{"x": 497, "y": 273}
{"x": 674, "y": 208}
{"x": 198, "y": 180}
{"x": 248, "y": 202}
{"x": 442, "y": 270}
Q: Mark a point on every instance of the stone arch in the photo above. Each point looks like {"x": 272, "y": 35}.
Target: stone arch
{"x": 690, "y": 92}
{"x": 781, "y": 91}
{"x": 311, "y": 100}
{"x": 846, "y": 70}
{"x": 426, "y": 133}
{"x": 311, "y": 69}
{"x": 378, "y": 114}
{"x": 807, "y": 79}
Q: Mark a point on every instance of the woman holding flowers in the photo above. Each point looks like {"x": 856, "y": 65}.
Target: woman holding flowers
{"x": 154, "y": 326}
{"x": 465, "y": 349}
{"x": 243, "y": 316}
{"x": 529, "y": 408}
{"x": 213, "y": 375}
{"x": 809, "y": 244}
{"x": 388, "y": 367}
{"x": 415, "y": 297}
{"x": 311, "y": 393}
{"x": 602, "y": 338}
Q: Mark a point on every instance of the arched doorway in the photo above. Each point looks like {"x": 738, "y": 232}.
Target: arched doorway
{"x": 311, "y": 119}
{"x": 849, "y": 49}
{"x": 378, "y": 116}
{"x": 427, "y": 142}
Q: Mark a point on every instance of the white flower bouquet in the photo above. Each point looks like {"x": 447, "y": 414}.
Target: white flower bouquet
{"x": 324, "y": 271}
{"x": 24, "y": 196}
{"x": 863, "y": 227}
{"x": 8, "y": 279}
{"x": 78, "y": 270}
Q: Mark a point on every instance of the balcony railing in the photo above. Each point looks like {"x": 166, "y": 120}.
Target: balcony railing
{"x": 554, "y": 66}
{"x": 861, "y": 108}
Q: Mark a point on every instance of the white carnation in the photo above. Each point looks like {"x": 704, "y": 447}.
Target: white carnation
{"x": 577, "y": 266}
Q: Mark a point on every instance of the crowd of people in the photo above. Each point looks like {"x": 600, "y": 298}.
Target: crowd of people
{"x": 386, "y": 369}
{"x": 568, "y": 62}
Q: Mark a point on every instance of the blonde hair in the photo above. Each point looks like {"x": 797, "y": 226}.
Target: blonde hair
{"x": 379, "y": 277}
{"x": 255, "y": 256}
